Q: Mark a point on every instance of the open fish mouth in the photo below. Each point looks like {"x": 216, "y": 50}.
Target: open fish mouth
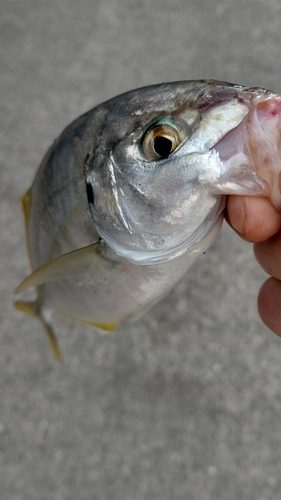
{"x": 251, "y": 153}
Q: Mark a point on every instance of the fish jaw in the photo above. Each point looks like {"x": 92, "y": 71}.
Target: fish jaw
{"x": 251, "y": 153}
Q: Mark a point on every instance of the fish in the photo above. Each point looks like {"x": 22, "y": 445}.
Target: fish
{"x": 134, "y": 190}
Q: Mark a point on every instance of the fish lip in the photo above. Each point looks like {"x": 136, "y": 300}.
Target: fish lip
{"x": 256, "y": 144}
{"x": 256, "y": 104}
{"x": 214, "y": 93}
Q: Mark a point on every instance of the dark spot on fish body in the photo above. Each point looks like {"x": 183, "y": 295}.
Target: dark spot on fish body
{"x": 90, "y": 193}
{"x": 89, "y": 188}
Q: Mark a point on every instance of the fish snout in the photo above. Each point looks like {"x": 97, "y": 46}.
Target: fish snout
{"x": 250, "y": 153}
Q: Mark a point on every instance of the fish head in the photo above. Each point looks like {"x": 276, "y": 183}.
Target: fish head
{"x": 160, "y": 172}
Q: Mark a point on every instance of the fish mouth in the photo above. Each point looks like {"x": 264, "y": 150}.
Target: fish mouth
{"x": 251, "y": 153}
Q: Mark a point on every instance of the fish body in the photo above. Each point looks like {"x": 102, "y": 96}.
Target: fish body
{"x": 133, "y": 190}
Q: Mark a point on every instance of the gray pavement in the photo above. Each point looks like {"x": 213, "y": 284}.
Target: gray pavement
{"x": 184, "y": 403}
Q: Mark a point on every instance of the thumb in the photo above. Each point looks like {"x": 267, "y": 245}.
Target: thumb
{"x": 253, "y": 219}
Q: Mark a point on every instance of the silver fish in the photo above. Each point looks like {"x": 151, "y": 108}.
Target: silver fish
{"x": 133, "y": 190}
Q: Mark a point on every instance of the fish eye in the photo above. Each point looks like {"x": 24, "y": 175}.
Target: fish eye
{"x": 160, "y": 141}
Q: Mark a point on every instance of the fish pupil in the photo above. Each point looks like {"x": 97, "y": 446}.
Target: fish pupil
{"x": 90, "y": 193}
{"x": 162, "y": 146}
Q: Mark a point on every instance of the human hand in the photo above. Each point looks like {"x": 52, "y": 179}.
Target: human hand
{"x": 256, "y": 220}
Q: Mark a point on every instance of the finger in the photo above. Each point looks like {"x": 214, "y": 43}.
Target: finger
{"x": 254, "y": 219}
{"x": 269, "y": 305}
{"x": 268, "y": 255}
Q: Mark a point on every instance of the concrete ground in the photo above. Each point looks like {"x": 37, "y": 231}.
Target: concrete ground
{"x": 185, "y": 403}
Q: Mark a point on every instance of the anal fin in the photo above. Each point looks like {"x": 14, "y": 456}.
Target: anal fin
{"x": 106, "y": 327}
{"x": 32, "y": 309}
{"x": 110, "y": 326}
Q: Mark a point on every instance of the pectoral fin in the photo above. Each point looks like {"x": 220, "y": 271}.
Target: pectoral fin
{"x": 67, "y": 265}
{"x": 32, "y": 309}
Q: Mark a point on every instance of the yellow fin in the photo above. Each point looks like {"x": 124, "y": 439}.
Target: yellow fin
{"x": 108, "y": 327}
{"x": 31, "y": 308}
{"x": 25, "y": 205}
{"x": 67, "y": 265}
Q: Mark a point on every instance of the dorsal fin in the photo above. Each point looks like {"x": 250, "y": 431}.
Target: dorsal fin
{"x": 25, "y": 205}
